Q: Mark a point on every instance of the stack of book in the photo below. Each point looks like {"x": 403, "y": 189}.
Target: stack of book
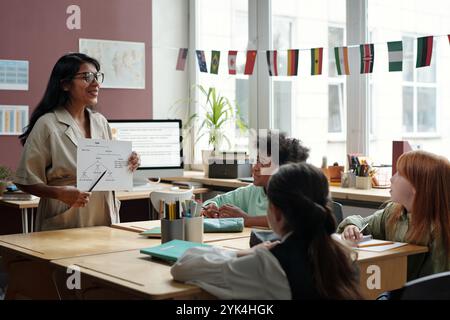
{"x": 17, "y": 196}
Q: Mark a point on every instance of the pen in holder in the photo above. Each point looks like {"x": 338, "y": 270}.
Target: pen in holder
{"x": 193, "y": 229}
{"x": 172, "y": 229}
{"x": 172, "y": 224}
{"x": 363, "y": 182}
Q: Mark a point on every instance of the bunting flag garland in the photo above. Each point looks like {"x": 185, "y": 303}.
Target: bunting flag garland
{"x": 424, "y": 51}
{"x": 367, "y": 57}
{"x": 316, "y": 61}
{"x": 292, "y": 65}
{"x": 272, "y": 62}
{"x": 232, "y": 62}
{"x": 341, "y": 57}
{"x": 181, "y": 61}
{"x": 215, "y": 60}
{"x": 395, "y": 51}
{"x": 251, "y": 57}
{"x": 201, "y": 60}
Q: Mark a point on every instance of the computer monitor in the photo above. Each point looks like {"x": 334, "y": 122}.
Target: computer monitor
{"x": 158, "y": 143}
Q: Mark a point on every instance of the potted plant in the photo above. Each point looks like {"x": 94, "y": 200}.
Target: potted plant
{"x": 5, "y": 177}
{"x": 218, "y": 112}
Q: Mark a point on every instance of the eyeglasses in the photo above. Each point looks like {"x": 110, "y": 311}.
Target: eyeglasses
{"x": 90, "y": 76}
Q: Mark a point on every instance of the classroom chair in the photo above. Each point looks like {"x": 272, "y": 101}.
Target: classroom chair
{"x": 167, "y": 196}
{"x": 336, "y": 207}
{"x": 433, "y": 287}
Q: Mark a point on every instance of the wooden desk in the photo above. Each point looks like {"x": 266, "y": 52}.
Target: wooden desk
{"x": 23, "y": 206}
{"x": 27, "y": 256}
{"x": 122, "y": 275}
{"x": 133, "y": 275}
{"x": 392, "y": 264}
{"x": 140, "y": 226}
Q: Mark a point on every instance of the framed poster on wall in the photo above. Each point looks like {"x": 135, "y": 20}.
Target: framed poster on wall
{"x": 122, "y": 62}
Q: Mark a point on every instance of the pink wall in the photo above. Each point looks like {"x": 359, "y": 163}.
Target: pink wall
{"x": 36, "y": 31}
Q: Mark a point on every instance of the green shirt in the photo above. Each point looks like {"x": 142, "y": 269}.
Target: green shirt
{"x": 434, "y": 261}
{"x": 251, "y": 199}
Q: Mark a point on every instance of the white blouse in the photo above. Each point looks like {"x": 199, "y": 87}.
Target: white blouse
{"x": 220, "y": 272}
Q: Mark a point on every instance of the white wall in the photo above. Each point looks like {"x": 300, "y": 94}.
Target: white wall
{"x": 170, "y": 32}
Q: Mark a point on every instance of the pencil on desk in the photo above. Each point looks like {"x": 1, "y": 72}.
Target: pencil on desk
{"x": 374, "y": 244}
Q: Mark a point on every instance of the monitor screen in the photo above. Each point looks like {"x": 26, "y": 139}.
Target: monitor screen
{"x": 158, "y": 143}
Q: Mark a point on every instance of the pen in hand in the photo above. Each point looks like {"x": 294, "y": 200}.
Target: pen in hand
{"x": 362, "y": 229}
{"x": 101, "y": 176}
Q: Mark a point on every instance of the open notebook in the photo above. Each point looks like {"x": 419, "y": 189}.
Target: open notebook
{"x": 369, "y": 244}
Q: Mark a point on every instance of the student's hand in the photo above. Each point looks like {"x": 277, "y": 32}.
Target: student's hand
{"x": 351, "y": 232}
{"x": 134, "y": 161}
{"x": 74, "y": 197}
{"x": 211, "y": 211}
{"x": 230, "y": 211}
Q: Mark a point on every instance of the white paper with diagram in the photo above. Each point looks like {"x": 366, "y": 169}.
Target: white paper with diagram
{"x": 96, "y": 157}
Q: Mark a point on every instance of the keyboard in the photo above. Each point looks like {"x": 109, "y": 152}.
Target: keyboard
{"x": 149, "y": 187}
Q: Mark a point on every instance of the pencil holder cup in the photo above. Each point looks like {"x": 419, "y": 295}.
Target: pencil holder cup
{"x": 193, "y": 229}
{"x": 363, "y": 183}
{"x": 345, "y": 179}
{"x": 172, "y": 229}
{"x": 351, "y": 180}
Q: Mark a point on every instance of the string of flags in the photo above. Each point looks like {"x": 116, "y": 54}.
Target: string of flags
{"x": 367, "y": 55}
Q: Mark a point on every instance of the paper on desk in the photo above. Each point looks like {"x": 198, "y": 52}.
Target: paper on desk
{"x": 383, "y": 247}
{"x": 94, "y": 156}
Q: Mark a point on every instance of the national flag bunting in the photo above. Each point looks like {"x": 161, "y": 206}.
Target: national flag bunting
{"x": 201, "y": 60}
{"x": 181, "y": 61}
{"x": 341, "y": 58}
{"x": 424, "y": 51}
{"x": 251, "y": 57}
{"x": 215, "y": 60}
{"x": 272, "y": 62}
{"x": 292, "y": 65}
{"x": 395, "y": 51}
{"x": 316, "y": 61}
{"x": 367, "y": 57}
{"x": 232, "y": 62}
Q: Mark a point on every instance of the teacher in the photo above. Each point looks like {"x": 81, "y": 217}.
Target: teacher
{"x": 48, "y": 166}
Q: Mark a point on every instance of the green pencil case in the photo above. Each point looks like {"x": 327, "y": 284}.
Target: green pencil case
{"x": 211, "y": 225}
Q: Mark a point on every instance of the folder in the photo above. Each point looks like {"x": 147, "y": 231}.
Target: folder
{"x": 172, "y": 250}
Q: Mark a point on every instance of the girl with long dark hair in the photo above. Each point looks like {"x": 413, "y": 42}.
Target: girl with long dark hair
{"x": 307, "y": 264}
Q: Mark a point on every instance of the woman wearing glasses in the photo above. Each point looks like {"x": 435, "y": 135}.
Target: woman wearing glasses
{"x": 48, "y": 164}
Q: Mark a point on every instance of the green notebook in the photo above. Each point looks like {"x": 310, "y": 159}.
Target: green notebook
{"x": 172, "y": 250}
{"x": 154, "y": 232}
{"x": 211, "y": 225}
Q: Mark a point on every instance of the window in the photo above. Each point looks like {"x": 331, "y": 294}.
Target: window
{"x": 336, "y": 84}
{"x": 312, "y": 108}
{"x": 230, "y": 34}
{"x": 412, "y": 104}
{"x": 419, "y": 93}
{"x": 409, "y": 105}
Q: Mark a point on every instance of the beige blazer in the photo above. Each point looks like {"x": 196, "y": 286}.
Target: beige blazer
{"x": 50, "y": 157}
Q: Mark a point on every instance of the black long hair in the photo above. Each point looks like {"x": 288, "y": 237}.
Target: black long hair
{"x": 301, "y": 192}
{"x": 63, "y": 72}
